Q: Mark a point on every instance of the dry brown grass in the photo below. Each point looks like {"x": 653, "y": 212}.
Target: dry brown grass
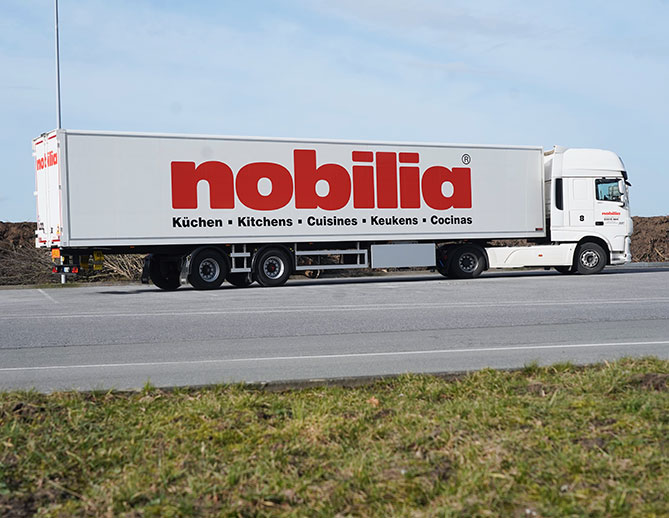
{"x": 24, "y": 265}
{"x": 21, "y": 265}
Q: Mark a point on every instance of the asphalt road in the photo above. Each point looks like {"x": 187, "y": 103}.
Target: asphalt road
{"x": 103, "y": 337}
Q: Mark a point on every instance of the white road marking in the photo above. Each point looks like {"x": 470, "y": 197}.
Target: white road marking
{"x": 326, "y": 309}
{"x": 47, "y": 295}
{"x": 332, "y": 356}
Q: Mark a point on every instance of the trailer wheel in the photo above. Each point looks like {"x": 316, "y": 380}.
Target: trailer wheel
{"x": 208, "y": 270}
{"x": 467, "y": 262}
{"x": 240, "y": 280}
{"x": 273, "y": 267}
{"x": 590, "y": 258}
{"x": 164, "y": 272}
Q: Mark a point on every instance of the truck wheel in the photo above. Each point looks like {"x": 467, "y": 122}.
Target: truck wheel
{"x": 567, "y": 270}
{"x": 590, "y": 258}
{"x": 273, "y": 267}
{"x": 467, "y": 262}
{"x": 442, "y": 261}
{"x": 164, "y": 273}
{"x": 240, "y": 280}
{"x": 208, "y": 270}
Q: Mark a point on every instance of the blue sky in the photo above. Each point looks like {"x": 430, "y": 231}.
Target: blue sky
{"x": 578, "y": 74}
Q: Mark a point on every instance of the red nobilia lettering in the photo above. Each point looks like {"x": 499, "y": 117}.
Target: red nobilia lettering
{"x": 370, "y": 186}
{"x": 185, "y": 177}
{"x": 409, "y": 181}
{"x": 306, "y": 177}
{"x": 409, "y": 187}
{"x": 363, "y": 180}
{"x": 363, "y": 186}
{"x": 49, "y": 160}
{"x": 386, "y": 180}
{"x": 247, "y": 186}
{"x": 459, "y": 178}
{"x": 363, "y": 156}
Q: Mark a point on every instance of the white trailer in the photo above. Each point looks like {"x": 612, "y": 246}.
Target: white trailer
{"x": 210, "y": 208}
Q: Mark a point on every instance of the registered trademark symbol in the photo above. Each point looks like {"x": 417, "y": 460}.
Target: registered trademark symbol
{"x": 466, "y": 159}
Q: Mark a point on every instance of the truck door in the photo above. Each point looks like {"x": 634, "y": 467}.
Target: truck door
{"x": 581, "y": 196}
{"x": 609, "y": 202}
{"x": 47, "y": 184}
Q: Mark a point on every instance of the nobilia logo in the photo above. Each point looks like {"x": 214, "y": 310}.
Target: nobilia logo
{"x": 47, "y": 160}
{"x": 377, "y": 180}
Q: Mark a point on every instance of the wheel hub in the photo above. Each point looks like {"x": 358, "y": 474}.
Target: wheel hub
{"x": 468, "y": 262}
{"x": 209, "y": 270}
{"x": 273, "y": 267}
{"x": 589, "y": 259}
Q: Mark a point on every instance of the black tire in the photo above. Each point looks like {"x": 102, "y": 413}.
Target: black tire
{"x": 590, "y": 258}
{"x": 566, "y": 270}
{"x": 272, "y": 268}
{"x": 240, "y": 280}
{"x": 442, "y": 261}
{"x": 164, "y": 272}
{"x": 466, "y": 262}
{"x": 208, "y": 269}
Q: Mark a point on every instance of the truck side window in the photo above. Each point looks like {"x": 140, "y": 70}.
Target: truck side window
{"x": 607, "y": 190}
{"x": 559, "y": 204}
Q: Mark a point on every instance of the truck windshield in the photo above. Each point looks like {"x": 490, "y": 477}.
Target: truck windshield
{"x": 608, "y": 190}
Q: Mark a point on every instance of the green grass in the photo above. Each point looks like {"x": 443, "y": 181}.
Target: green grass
{"x": 540, "y": 442}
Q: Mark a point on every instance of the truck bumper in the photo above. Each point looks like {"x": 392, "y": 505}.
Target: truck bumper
{"x": 623, "y": 257}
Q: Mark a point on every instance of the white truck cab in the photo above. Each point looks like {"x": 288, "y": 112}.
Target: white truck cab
{"x": 588, "y": 219}
{"x": 588, "y": 200}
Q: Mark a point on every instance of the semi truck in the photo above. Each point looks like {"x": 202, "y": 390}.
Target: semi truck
{"x": 206, "y": 208}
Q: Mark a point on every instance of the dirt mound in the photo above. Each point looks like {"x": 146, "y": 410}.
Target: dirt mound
{"x": 650, "y": 241}
{"x": 17, "y": 234}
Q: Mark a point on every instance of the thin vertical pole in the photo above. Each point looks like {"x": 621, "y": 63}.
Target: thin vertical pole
{"x": 63, "y": 277}
{"x": 57, "y": 65}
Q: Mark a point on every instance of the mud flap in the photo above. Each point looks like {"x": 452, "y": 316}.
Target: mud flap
{"x": 185, "y": 270}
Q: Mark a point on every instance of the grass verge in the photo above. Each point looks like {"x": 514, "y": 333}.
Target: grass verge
{"x": 541, "y": 442}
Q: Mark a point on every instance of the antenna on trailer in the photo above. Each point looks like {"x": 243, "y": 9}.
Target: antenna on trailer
{"x": 57, "y": 64}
